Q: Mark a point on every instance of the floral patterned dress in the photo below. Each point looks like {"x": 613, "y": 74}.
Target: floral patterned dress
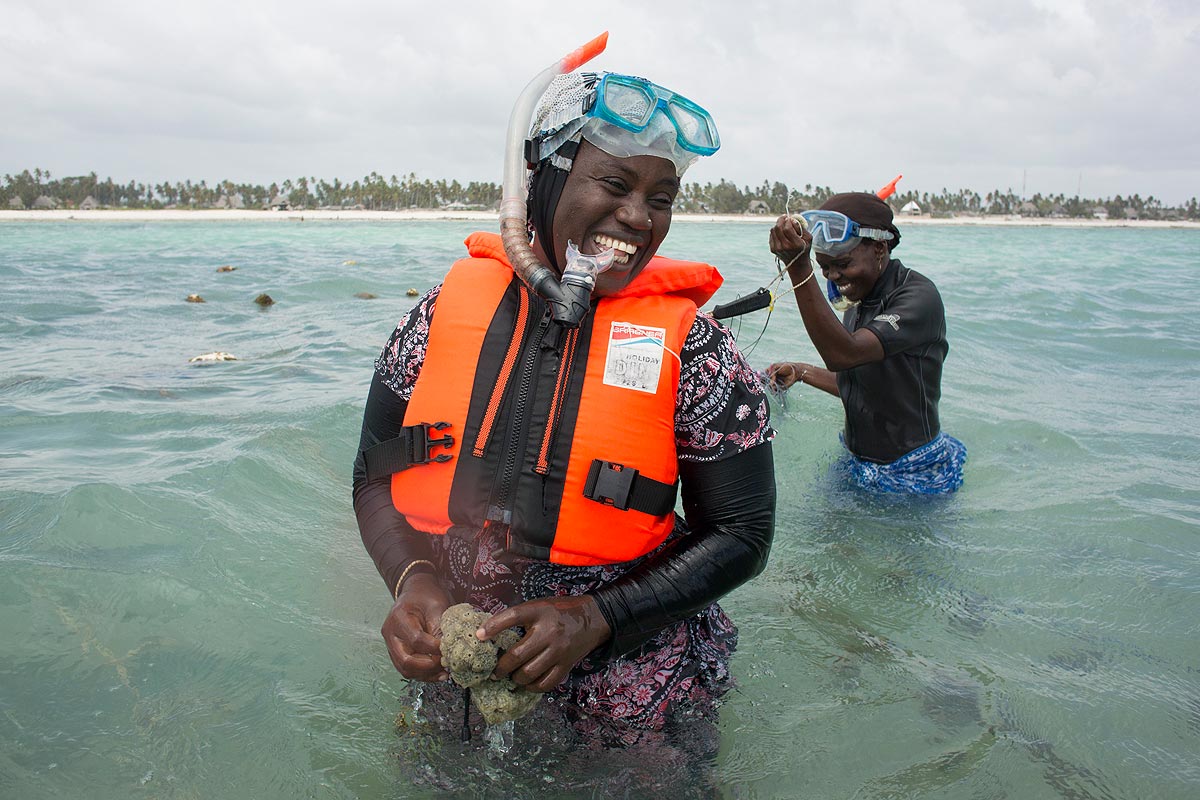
{"x": 720, "y": 410}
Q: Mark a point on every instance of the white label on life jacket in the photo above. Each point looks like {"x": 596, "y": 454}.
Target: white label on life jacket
{"x": 635, "y": 356}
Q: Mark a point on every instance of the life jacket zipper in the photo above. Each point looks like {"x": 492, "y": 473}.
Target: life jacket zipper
{"x": 499, "y": 511}
{"x": 565, "y": 364}
{"x": 502, "y": 380}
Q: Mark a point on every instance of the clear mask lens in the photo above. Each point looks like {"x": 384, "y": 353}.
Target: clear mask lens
{"x": 631, "y": 105}
{"x": 822, "y": 245}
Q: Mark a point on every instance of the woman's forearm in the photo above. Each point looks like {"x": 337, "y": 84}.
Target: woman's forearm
{"x": 730, "y": 507}
{"x": 817, "y": 377}
{"x": 389, "y": 539}
{"x": 839, "y": 348}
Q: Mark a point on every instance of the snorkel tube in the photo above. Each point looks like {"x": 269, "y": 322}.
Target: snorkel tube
{"x": 569, "y": 299}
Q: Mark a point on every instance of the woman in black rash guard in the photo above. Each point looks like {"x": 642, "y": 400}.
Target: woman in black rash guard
{"x": 628, "y": 650}
{"x": 884, "y": 358}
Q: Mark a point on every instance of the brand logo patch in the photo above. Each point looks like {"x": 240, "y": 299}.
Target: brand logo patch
{"x": 635, "y": 356}
{"x": 890, "y": 319}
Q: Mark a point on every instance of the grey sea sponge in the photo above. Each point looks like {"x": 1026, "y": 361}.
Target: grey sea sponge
{"x": 470, "y": 663}
{"x": 502, "y": 700}
{"x": 468, "y": 660}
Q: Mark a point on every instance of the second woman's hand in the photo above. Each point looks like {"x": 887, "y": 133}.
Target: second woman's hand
{"x": 559, "y": 631}
{"x": 790, "y": 241}
{"x": 783, "y": 374}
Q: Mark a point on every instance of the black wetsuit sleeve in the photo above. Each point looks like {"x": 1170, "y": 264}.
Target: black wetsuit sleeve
{"x": 729, "y": 506}
{"x": 391, "y": 542}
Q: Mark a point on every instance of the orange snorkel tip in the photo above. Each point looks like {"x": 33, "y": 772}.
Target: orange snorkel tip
{"x": 889, "y": 190}
{"x": 580, "y": 56}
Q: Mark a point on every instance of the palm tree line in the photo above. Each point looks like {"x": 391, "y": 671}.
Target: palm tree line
{"x": 38, "y": 188}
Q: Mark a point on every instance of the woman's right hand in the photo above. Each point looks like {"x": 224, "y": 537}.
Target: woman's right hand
{"x": 412, "y": 630}
{"x": 783, "y": 374}
{"x": 790, "y": 241}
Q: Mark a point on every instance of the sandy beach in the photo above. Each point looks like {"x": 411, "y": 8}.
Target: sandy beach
{"x": 425, "y": 215}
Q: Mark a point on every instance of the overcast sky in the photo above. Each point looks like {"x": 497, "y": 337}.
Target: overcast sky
{"x": 1043, "y": 95}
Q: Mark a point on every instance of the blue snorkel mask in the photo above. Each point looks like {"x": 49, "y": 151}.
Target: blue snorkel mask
{"x": 624, "y": 116}
{"x": 835, "y": 234}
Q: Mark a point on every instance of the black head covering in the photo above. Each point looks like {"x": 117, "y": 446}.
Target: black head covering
{"x": 867, "y": 210}
{"x": 545, "y": 188}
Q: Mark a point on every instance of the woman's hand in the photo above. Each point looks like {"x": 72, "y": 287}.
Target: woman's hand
{"x": 559, "y": 631}
{"x": 412, "y": 629}
{"x": 783, "y": 374}
{"x": 790, "y": 241}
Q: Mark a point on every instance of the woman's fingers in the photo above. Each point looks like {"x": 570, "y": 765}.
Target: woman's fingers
{"x": 788, "y": 240}
{"x": 558, "y": 633}
{"x": 414, "y": 651}
{"x": 782, "y": 374}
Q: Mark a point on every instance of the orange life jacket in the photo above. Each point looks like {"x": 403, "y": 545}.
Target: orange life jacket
{"x": 567, "y": 436}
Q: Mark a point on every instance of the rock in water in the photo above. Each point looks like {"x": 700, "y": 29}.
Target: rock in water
{"x": 365, "y": 295}
{"x": 226, "y": 268}
{"x": 412, "y": 293}
{"x": 194, "y": 298}
{"x": 264, "y": 300}
{"x": 210, "y": 358}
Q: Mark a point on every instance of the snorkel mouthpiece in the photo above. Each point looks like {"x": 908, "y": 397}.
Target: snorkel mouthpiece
{"x": 568, "y": 300}
{"x": 578, "y": 281}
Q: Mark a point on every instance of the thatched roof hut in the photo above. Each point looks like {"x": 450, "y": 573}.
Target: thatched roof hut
{"x": 89, "y": 203}
{"x": 43, "y": 202}
{"x": 16, "y": 203}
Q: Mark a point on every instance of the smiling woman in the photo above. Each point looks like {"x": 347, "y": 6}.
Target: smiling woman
{"x": 527, "y": 462}
{"x": 884, "y": 359}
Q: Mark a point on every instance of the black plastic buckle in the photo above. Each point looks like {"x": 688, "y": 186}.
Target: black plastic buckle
{"x": 423, "y": 445}
{"x": 609, "y": 483}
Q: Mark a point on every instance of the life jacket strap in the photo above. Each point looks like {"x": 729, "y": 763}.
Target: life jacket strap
{"x": 624, "y": 488}
{"x": 414, "y": 446}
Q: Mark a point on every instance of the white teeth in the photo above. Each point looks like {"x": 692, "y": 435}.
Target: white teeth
{"x": 620, "y": 258}
{"x": 615, "y": 244}
{"x": 843, "y": 287}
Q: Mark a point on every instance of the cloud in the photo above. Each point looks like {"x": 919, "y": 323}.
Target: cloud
{"x": 955, "y": 94}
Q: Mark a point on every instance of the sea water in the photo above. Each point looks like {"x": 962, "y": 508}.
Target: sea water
{"x": 186, "y": 609}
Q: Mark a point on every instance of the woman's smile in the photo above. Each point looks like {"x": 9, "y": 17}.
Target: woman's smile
{"x": 623, "y": 250}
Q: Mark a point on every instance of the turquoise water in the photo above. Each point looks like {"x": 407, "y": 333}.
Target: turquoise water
{"x": 186, "y": 610}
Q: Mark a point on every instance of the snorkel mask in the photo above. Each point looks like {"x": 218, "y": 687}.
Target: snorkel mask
{"x": 620, "y": 114}
{"x": 624, "y": 116}
{"x": 835, "y": 234}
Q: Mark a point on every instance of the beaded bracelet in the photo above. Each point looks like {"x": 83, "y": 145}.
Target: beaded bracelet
{"x": 408, "y": 569}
